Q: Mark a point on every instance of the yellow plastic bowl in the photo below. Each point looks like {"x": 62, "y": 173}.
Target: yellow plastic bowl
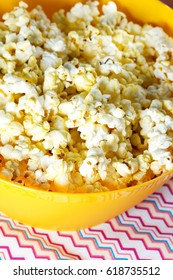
{"x": 59, "y": 211}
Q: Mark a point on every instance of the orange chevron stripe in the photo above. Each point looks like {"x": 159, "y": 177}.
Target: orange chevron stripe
{"x": 3, "y": 255}
{"x": 39, "y": 238}
{"x": 144, "y": 238}
{"x": 22, "y": 241}
{"x": 155, "y": 214}
{"x": 88, "y": 245}
{"x": 98, "y": 234}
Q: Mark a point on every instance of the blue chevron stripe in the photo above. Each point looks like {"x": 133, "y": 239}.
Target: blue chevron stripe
{"x": 44, "y": 246}
{"x": 101, "y": 246}
{"x": 145, "y": 232}
{"x": 150, "y": 199}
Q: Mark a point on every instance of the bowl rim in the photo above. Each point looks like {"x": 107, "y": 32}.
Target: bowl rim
{"x": 95, "y": 194}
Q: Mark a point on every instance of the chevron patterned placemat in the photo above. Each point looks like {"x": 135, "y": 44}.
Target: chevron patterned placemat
{"x": 143, "y": 232}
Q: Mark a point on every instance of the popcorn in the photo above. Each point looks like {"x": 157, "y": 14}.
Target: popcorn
{"x": 83, "y": 12}
{"x": 49, "y": 60}
{"x": 51, "y": 102}
{"x": 159, "y": 40}
{"x": 55, "y": 44}
{"x": 15, "y": 85}
{"x": 55, "y": 139}
{"x": 85, "y": 100}
{"x": 107, "y": 65}
{"x": 122, "y": 168}
{"x": 95, "y": 160}
{"x": 32, "y": 107}
{"x": 23, "y": 51}
{"x": 83, "y": 82}
{"x": 9, "y": 152}
{"x": 58, "y": 172}
{"x": 37, "y": 131}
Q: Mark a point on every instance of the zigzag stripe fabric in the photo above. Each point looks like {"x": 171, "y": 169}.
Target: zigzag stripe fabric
{"x": 144, "y": 232}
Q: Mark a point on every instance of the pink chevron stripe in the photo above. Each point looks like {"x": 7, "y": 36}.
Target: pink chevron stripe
{"x": 100, "y": 251}
{"x": 165, "y": 198}
{"x": 134, "y": 217}
{"x": 141, "y": 225}
{"x": 160, "y": 201}
{"x": 23, "y": 242}
{"x": 148, "y": 229}
{"x": 144, "y": 238}
{"x": 160, "y": 197}
{"x": 96, "y": 256}
{"x": 88, "y": 235}
{"x": 146, "y": 225}
{"x": 73, "y": 256}
{"x": 9, "y": 253}
{"x": 32, "y": 233}
{"x": 154, "y": 214}
{"x": 118, "y": 241}
{"x": 99, "y": 234}
{"x": 168, "y": 186}
{"x": 21, "y": 245}
{"x": 129, "y": 235}
{"x": 85, "y": 246}
{"x": 37, "y": 233}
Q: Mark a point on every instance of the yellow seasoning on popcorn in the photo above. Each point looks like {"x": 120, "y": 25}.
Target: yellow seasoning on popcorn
{"x": 86, "y": 99}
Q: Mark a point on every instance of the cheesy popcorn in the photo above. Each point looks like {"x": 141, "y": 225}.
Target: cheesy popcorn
{"x": 86, "y": 100}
